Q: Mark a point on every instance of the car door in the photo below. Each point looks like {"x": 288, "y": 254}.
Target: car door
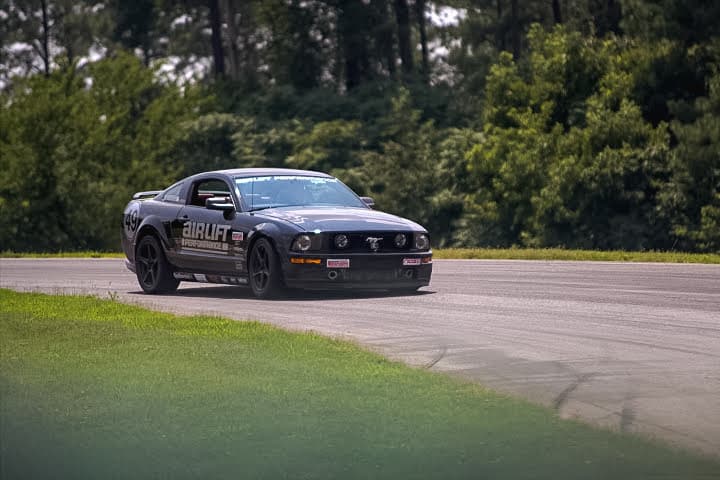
{"x": 210, "y": 241}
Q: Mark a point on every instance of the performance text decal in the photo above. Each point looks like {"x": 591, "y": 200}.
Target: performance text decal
{"x": 205, "y": 236}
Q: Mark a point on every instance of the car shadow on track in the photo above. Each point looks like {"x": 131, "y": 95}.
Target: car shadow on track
{"x": 237, "y": 293}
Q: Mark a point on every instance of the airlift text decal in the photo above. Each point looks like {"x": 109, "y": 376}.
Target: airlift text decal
{"x": 205, "y": 236}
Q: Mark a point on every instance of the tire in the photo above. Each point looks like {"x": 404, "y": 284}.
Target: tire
{"x": 264, "y": 270}
{"x": 153, "y": 270}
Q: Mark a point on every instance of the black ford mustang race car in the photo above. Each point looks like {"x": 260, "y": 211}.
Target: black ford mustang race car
{"x": 270, "y": 228}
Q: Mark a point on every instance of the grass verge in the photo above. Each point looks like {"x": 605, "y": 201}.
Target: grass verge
{"x": 81, "y": 254}
{"x": 478, "y": 253}
{"x": 575, "y": 255}
{"x": 95, "y": 389}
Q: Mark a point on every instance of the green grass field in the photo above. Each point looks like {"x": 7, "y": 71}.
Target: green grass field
{"x": 480, "y": 253}
{"x": 97, "y": 389}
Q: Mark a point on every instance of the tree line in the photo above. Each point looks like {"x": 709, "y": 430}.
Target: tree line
{"x": 571, "y": 123}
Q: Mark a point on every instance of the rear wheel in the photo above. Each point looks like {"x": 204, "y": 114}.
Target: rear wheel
{"x": 153, "y": 270}
{"x": 264, "y": 269}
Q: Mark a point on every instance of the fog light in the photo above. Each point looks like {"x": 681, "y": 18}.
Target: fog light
{"x": 341, "y": 241}
{"x": 302, "y": 243}
{"x": 422, "y": 242}
{"x": 400, "y": 240}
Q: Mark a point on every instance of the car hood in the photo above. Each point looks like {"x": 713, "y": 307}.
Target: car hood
{"x": 341, "y": 219}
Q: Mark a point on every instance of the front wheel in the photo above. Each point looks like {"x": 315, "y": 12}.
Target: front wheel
{"x": 264, "y": 269}
{"x": 153, "y": 270}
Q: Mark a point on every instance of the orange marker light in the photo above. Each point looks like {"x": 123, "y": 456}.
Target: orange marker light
{"x": 300, "y": 260}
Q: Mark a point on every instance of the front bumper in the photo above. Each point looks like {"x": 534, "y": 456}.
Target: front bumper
{"x": 364, "y": 271}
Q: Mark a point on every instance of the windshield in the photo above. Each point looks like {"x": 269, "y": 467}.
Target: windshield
{"x": 293, "y": 190}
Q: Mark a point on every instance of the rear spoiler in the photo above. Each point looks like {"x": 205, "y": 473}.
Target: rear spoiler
{"x": 145, "y": 195}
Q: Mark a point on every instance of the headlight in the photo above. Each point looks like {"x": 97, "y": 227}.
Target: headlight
{"x": 422, "y": 242}
{"x": 400, "y": 240}
{"x": 341, "y": 240}
{"x": 302, "y": 243}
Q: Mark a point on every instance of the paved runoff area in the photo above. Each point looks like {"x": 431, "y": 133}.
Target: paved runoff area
{"x": 630, "y": 346}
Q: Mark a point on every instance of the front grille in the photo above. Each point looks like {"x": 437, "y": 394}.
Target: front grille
{"x": 358, "y": 242}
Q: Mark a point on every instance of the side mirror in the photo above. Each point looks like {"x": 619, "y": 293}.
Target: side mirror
{"x": 219, "y": 203}
{"x": 368, "y": 201}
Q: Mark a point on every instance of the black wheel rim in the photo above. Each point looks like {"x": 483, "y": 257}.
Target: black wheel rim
{"x": 147, "y": 264}
{"x": 260, "y": 267}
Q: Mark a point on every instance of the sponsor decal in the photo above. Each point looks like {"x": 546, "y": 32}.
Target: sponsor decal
{"x": 237, "y": 236}
{"x": 205, "y": 236}
{"x": 131, "y": 220}
{"x": 203, "y": 244}
{"x": 200, "y": 277}
{"x": 183, "y": 276}
{"x": 338, "y": 263}
{"x": 411, "y": 261}
{"x": 205, "y": 231}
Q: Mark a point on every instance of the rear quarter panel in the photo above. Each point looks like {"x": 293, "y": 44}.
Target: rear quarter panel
{"x": 147, "y": 216}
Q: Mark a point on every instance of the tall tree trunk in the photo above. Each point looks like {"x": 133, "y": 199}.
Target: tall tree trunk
{"x": 606, "y": 15}
{"x": 45, "y": 37}
{"x": 557, "y": 11}
{"x": 228, "y": 12}
{"x": 420, "y": 13}
{"x": 216, "y": 38}
{"x": 402, "y": 15}
{"x": 386, "y": 38}
{"x": 500, "y": 27}
{"x": 614, "y": 16}
{"x": 515, "y": 28}
{"x": 249, "y": 52}
{"x": 354, "y": 27}
{"x": 348, "y": 41}
{"x": 64, "y": 35}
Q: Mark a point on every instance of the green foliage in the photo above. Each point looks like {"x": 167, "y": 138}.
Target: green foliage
{"x": 206, "y": 143}
{"x": 404, "y": 175}
{"x": 73, "y": 154}
{"x": 328, "y": 146}
{"x": 568, "y": 158}
{"x": 255, "y": 146}
{"x": 401, "y": 173}
{"x": 571, "y": 123}
{"x": 689, "y": 21}
{"x": 601, "y": 188}
{"x": 692, "y": 196}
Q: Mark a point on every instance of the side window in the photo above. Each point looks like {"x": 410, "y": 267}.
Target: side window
{"x": 209, "y": 188}
{"x": 173, "y": 194}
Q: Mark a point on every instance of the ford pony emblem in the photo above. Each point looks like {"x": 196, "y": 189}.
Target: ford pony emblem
{"x": 374, "y": 243}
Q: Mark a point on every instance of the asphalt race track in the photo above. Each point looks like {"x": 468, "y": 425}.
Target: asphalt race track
{"x": 634, "y": 347}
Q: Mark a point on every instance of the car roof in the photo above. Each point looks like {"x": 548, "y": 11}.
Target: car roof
{"x": 254, "y": 172}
